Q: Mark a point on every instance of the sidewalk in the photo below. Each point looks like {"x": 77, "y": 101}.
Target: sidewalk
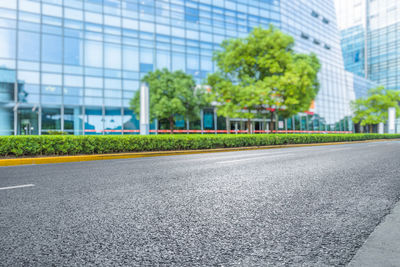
{"x": 382, "y": 248}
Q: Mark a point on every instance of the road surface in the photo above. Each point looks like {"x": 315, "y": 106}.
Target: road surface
{"x": 310, "y": 206}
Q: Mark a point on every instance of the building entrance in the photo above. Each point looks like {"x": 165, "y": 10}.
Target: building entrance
{"x": 27, "y": 122}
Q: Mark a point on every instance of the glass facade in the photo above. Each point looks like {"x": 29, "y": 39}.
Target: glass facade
{"x": 74, "y": 65}
{"x": 353, "y": 46}
{"x": 370, "y": 40}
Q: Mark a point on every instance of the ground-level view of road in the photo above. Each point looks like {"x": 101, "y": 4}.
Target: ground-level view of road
{"x": 310, "y": 206}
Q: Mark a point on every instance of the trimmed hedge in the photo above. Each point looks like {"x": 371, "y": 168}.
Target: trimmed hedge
{"x": 73, "y": 145}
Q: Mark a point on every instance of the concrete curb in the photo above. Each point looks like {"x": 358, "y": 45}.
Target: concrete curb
{"x": 382, "y": 248}
{"x": 64, "y": 159}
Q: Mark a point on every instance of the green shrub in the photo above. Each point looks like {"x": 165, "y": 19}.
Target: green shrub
{"x": 73, "y": 145}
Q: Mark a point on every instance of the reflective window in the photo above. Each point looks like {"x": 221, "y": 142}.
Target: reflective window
{"x": 73, "y": 80}
{"x": 51, "y": 90}
{"x": 7, "y": 43}
{"x": 131, "y": 58}
{"x": 73, "y": 51}
{"x": 112, "y": 83}
{"x": 28, "y": 77}
{"x": 7, "y": 79}
{"x": 113, "y": 121}
{"x": 192, "y": 62}
{"x": 163, "y": 59}
{"x": 51, "y": 99}
{"x": 178, "y": 61}
{"x": 146, "y": 60}
{"x": 206, "y": 63}
{"x": 130, "y": 122}
{"x": 28, "y": 45}
{"x": 73, "y": 120}
{"x": 93, "y": 54}
{"x": 52, "y": 48}
{"x": 95, "y": 82}
{"x": 93, "y": 121}
{"x": 93, "y": 101}
{"x": 51, "y": 120}
{"x": 73, "y": 100}
{"x": 130, "y": 85}
{"x": 8, "y": 4}
{"x": 112, "y": 56}
{"x": 6, "y": 120}
{"x": 51, "y": 79}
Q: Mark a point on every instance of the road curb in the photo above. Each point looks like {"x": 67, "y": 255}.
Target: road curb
{"x": 382, "y": 248}
{"x": 65, "y": 159}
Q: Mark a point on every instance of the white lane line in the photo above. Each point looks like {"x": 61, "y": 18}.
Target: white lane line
{"x": 17, "y": 186}
{"x": 339, "y": 149}
{"x": 198, "y": 157}
{"x": 253, "y": 158}
{"x": 243, "y": 155}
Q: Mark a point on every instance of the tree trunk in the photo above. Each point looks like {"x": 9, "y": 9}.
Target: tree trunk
{"x": 228, "y": 125}
{"x": 370, "y": 128}
{"x": 248, "y": 126}
{"x": 272, "y": 122}
{"x": 171, "y": 124}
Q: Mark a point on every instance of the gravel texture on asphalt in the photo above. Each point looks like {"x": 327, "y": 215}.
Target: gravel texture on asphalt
{"x": 310, "y": 206}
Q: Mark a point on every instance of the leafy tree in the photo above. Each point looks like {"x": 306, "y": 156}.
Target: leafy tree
{"x": 171, "y": 94}
{"x": 373, "y": 109}
{"x": 260, "y": 72}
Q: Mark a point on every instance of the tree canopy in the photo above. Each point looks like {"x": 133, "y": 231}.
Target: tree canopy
{"x": 171, "y": 94}
{"x": 373, "y": 109}
{"x": 260, "y": 72}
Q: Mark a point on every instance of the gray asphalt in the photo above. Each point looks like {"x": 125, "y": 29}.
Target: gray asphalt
{"x": 311, "y": 206}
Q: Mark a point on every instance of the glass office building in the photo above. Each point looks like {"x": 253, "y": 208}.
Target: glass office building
{"x": 353, "y": 42}
{"x": 74, "y": 65}
{"x": 371, "y": 40}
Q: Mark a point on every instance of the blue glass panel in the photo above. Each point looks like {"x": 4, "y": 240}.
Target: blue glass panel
{"x": 29, "y": 26}
{"x": 130, "y": 58}
{"x": 146, "y": 67}
{"x": 73, "y": 120}
{"x": 163, "y": 59}
{"x": 51, "y": 99}
{"x": 6, "y": 120}
{"x": 51, "y": 119}
{"x": 130, "y": 121}
{"x": 178, "y": 61}
{"x": 73, "y": 51}
{"x": 113, "y": 121}
{"x": 7, "y": 79}
{"x": 112, "y": 56}
{"x": 7, "y": 43}
{"x": 51, "y": 48}
{"x": 93, "y": 120}
{"x": 93, "y": 54}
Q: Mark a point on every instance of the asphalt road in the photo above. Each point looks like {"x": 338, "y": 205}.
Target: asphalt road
{"x": 310, "y": 206}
